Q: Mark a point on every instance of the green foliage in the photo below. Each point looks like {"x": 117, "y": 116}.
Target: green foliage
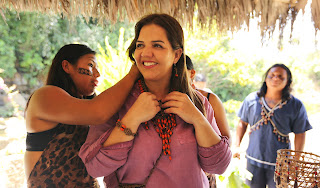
{"x": 7, "y": 56}
{"x": 7, "y": 59}
{"x": 231, "y": 107}
{"x": 234, "y": 181}
{"x": 227, "y": 76}
{"x": 114, "y": 64}
{"x": 7, "y": 110}
{"x": 235, "y": 176}
{"x": 314, "y": 67}
{"x": 11, "y": 108}
{"x": 35, "y": 38}
{"x": 233, "y": 73}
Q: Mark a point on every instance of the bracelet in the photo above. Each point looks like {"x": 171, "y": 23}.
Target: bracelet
{"x": 127, "y": 131}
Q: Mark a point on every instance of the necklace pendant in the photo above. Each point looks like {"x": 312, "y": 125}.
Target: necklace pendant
{"x": 163, "y": 124}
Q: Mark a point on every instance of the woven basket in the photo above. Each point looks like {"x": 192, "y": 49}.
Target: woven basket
{"x": 297, "y": 169}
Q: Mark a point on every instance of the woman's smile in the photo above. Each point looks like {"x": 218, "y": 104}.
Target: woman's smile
{"x": 149, "y": 64}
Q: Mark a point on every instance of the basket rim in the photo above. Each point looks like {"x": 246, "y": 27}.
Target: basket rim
{"x": 290, "y": 150}
{"x": 301, "y": 152}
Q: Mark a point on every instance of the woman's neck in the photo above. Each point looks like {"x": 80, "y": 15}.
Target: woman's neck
{"x": 158, "y": 88}
{"x": 76, "y": 94}
{"x": 273, "y": 95}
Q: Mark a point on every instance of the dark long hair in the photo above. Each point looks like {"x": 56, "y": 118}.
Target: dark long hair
{"x": 176, "y": 38}
{"x": 285, "y": 91}
{"x": 57, "y": 76}
{"x": 189, "y": 63}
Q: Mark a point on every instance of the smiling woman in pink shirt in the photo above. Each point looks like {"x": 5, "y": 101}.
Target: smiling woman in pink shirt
{"x": 165, "y": 135}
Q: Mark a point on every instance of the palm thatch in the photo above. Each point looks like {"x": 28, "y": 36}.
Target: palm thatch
{"x": 227, "y": 14}
{"x": 315, "y": 11}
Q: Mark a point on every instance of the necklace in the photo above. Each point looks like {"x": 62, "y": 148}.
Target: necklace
{"x": 266, "y": 116}
{"x": 163, "y": 123}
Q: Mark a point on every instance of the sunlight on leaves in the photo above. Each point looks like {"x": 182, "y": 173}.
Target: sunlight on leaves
{"x": 113, "y": 63}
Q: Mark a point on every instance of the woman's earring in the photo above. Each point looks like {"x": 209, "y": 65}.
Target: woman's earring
{"x": 175, "y": 69}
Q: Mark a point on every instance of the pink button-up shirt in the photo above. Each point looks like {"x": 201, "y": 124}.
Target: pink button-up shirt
{"x": 133, "y": 160}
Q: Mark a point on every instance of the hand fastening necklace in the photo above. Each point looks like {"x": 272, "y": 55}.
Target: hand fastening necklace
{"x": 163, "y": 123}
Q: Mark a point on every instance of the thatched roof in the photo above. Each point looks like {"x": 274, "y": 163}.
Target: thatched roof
{"x": 227, "y": 14}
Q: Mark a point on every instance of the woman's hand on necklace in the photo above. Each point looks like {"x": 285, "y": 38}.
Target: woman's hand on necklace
{"x": 144, "y": 109}
{"x": 181, "y": 105}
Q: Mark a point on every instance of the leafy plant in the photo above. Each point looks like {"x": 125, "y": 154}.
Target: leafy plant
{"x": 11, "y": 108}
{"x": 114, "y": 64}
{"x": 30, "y": 40}
{"x": 235, "y": 176}
{"x": 7, "y": 57}
{"x": 231, "y": 107}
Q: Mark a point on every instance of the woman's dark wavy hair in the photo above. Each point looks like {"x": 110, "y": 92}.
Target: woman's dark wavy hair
{"x": 176, "y": 38}
{"x": 286, "y": 90}
{"x": 57, "y": 76}
{"x": 189, "y": 63}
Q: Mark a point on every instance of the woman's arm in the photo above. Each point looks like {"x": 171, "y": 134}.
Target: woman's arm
{"x": 299, "y": 141}
{"x": 220, "y": 115}
{"x": 144, "y": 109}
{"x": 213, "y": 151}
{"x": 214, "y": 159}
{"x": 180, "y": 104}
{"x": 107, "y": 146}
{"x": 53, "y": 104}
{"x": 241, "y": 130}
{"x": 99, "y": 160}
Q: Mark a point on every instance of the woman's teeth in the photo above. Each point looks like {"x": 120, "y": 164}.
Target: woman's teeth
{"x": 148, "y": 63}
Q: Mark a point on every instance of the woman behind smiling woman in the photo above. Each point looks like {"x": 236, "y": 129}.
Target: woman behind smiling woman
{"x": 56, "y": 113}
{"x": 165, "y": 135}
{"x": 219, "y": 113}
{"x": 214, "y": 100}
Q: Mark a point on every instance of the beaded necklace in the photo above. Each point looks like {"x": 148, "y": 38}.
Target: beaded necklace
{"x": 266, "y": 114}
{"x": 163, "y": 123}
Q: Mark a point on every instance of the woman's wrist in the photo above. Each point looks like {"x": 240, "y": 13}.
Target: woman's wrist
{"x": 201, "y": 120}
{"x": 134, "y": 73}
{"x": 127, "y": 131}
{"x": 130, "y": 122}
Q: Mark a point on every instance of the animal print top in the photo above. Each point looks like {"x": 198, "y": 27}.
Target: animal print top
{"x": 59, "y": 164}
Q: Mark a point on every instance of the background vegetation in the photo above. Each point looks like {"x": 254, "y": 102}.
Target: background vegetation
{"x": 28, "y": 42}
